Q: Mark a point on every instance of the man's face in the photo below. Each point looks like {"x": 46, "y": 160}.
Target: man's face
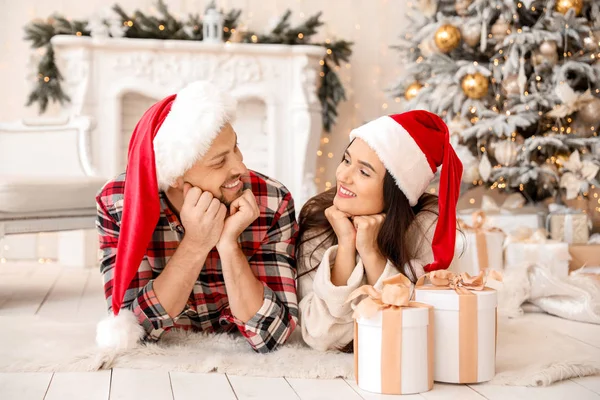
{"x": 220, "y": 170}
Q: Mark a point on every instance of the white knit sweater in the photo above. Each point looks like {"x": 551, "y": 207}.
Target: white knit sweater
{"x": 325, "y": 316}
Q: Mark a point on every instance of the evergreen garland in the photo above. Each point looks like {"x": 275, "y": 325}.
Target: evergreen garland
{"x": 165, "y": 26}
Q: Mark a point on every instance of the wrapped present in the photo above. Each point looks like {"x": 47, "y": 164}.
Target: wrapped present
{"x": 465, "y": 325}
{"x": 479, "y": 248}
{"x": 585, "y": 255}
{"x": 525, "y": 247}
{"x": 588, "y": 205}
{"x": 508, "y": 216}
{"x": 393, "y": 339}
{"x": 568, "y": 225}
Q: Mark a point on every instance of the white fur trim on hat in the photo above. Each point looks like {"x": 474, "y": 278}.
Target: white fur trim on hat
{"x": 399, "y": 153}
{"x": 120, "y": 332}
{"x": 197, "y": 115}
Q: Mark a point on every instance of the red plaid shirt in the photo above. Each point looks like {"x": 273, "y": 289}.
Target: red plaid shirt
{"x": 268, "y": 245}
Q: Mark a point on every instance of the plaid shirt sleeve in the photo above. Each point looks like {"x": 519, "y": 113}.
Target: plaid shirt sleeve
{"x": 139, "y": 297}
{"x": 275, "y": 266}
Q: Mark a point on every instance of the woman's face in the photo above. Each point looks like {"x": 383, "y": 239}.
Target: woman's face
{"x": 360, "y": 181}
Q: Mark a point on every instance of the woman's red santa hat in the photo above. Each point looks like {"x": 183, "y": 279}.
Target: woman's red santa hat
{"x": 412, "y": 146}
{"x": 169, "y": 138}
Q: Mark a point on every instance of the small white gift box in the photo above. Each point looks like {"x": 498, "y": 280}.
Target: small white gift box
{"x": 393, "y": 340}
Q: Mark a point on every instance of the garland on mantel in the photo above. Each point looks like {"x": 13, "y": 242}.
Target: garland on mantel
{"x": 166, "y": 26}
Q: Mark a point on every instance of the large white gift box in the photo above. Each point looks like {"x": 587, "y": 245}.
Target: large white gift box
{"x": 393, "y": 340}
{"x": 465, "y": 326}
{"x": 525, "y": 247}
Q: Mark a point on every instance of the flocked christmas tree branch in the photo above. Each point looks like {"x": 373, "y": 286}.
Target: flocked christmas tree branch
{"x": 166, "y": 26}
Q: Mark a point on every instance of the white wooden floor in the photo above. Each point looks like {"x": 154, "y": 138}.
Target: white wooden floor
{"x": 53, "y": 291}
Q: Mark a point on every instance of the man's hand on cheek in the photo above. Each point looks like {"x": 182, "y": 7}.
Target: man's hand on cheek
{"x": 242, "y": 212}
{"x": 202, "y": 216}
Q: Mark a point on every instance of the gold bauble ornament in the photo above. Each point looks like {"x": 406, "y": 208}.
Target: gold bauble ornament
{"x": 447, "y": 38}
{"x": 500, "y": 29}
{"x": 510, "y": 85}
{"x": 475, "y": 85}
{"x": 471, "y": 34}
{"x": 590, "y": 113}
{"x": 412, "y": 90}
{"x": 462, "y": 7}
{"x": 562, "y": 6}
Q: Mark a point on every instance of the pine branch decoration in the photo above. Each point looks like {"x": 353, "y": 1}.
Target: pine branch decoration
{"x": 166, "y": 26}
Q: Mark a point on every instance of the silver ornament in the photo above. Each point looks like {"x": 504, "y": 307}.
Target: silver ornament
{"x": 510, "y": 84}
{"x": 548, "y": 48}
{"x": 505, "y": 152}
{"x": 590, "y": 43}
{"x": 462, "y": 7}
{"x": 500, "y": 29}
{"x": 590, "y": 113}
{"x": 471, "y": 34}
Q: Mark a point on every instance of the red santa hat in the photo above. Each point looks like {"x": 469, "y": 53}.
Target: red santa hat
{"x": 412, "y": 146}
{"x": 169, "y": 138}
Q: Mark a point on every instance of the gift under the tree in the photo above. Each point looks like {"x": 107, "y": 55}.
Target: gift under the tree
{"x": 568, "y": 225}
{"x": 478, "y": 248}
{"x": 585, "y": 255}
{"x": 465, "y": 326}
{"x": 393, "y": 339}
{"x": 508, "y": 216}
{"x": 525, "y": 247}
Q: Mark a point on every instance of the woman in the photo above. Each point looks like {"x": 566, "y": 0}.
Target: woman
{"x": 377, "y": 222}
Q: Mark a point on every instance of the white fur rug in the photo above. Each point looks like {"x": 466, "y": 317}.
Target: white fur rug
{"x": 526, "y": 356}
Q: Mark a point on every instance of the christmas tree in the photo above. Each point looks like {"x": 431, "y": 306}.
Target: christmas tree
{"x": 518, "y": 83}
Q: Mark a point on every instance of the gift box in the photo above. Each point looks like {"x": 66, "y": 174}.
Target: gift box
{"x": 465, "y": 325}
{"x": 525, "y": 247}
{"x": 393, "y": 340}
{"x": 568, "y": 225}
{"x": 478, "y": 248}
{"x": 584, "y": 255}
{"x": 508, "y": 216}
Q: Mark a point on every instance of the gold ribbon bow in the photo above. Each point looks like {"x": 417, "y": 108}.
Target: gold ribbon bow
{"x": 512, "y": 202}
{"x": 524, "y": 234}
{"x": 462, "y": 283}
{"x": 396, "y": 292}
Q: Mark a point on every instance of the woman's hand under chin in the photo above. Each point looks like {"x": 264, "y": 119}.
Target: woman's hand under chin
{"x": 367, "y": 229}
{"x": 342, "y": 226}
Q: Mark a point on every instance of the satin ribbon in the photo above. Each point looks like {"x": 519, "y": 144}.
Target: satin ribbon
{"x": 392, "y": 300}
{"x": 463, "y": 284}
{"x": 511, "y": 203}
{"x": 525, "y": 234}
{"x": 558, "y": 209}
{"x": 480, "y": 231}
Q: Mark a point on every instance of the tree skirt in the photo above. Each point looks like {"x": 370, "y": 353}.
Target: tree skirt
{"x": 526, "y": 356}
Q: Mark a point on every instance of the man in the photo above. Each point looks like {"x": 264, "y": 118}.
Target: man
{"x": 190, "y": 238}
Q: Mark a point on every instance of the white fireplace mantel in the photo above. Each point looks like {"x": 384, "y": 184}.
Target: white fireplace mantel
{"x": 99, "y": 72}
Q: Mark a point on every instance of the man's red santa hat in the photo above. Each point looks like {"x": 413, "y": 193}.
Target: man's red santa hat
{"x": 412, "y": 146}
{"x": 169, "y": 138}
